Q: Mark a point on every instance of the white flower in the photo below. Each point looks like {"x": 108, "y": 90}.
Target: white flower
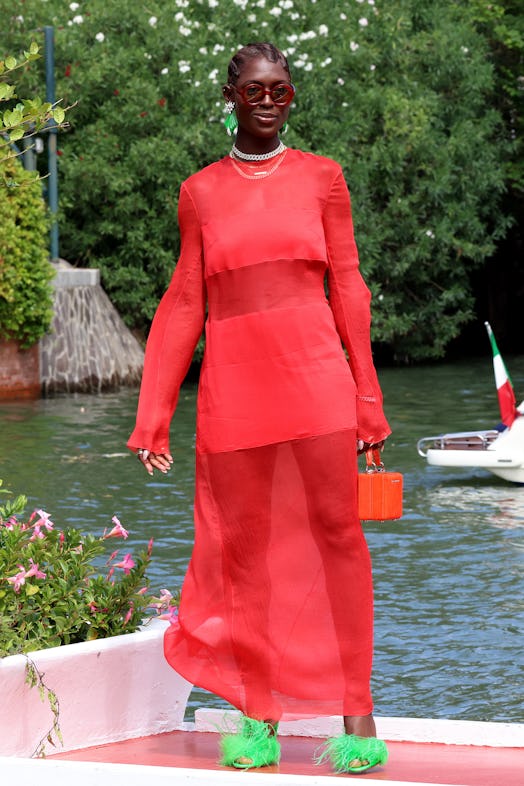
{"x": 213, "y": 75}
{"x": 299, "y": 63}
{"x": 20, "y": 18}
{"x": 100, "y": 37}
{"x": 308, "y": 67}
{"x": 307, "y": 35}
{"x": 353, "y": 46}
{"x": 372, "y": 67}
{"x": 343, "y": 17}
{"x": 371, "y": 2}
{"x": 276, "y": 11}
{"x": 326, "y": 62}
{"x": 292, "y": 38}
{"x": 152, "y": 21}
{"x": 218, "y": 48}
{"x": 184, "y": 66}
{"x": 252, "y": 18}
{"x": 211, "y": 26}
{"x": 212, "y": 3}
{"x": 294, "y": 15}
{"x": 261, "y": 3}
{"x": 286, "y": 4}
{"x": 263, "y": 24}
{"x": 290, "y": 50}
{"x": 340, "y": 81}
{"x": 464, "y": 49}
{"x": 165, "y": 71}
{"x": 429, "y": 233}
{"x": 363, "y": 22}
{"x": 203, "y": 50}
{"x": 184, "y": 30}
{"x": 78, "y": 19}
{"x": 74, "y": 6}
{"x": 147, "y": 56}
{"x": 323, "y": 30}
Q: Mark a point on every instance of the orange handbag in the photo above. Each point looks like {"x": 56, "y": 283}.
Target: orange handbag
{"x": 379, "y": 492}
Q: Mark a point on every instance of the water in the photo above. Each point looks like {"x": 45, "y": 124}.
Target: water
{"x": 448, "y": 576}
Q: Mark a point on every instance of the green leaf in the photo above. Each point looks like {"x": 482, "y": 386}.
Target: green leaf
{"x": 10, "y": 63}
{"x": 58, "y": 114}
{"x": 34, "y": 48}
{"x": 6, "y": 91}
{"x": 32, "y": 589}
{"x": 16, "y": 134}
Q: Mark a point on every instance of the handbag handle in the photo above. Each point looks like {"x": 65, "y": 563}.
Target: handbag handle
{"x": 374, "y": 461}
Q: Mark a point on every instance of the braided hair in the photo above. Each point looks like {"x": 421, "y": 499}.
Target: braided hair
{"x": 251, "y": 51}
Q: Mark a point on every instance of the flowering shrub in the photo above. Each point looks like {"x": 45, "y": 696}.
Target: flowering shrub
{"x": 51, "y": 592}
{"x": 402, "y": 93}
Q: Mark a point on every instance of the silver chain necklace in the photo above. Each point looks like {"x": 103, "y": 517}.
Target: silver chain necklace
{"x": 258, "y": 156}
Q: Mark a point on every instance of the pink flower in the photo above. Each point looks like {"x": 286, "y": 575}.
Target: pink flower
{"x": 44, "y": 520}
{"x": 163, "y": 603}
{"x": 18, "y": 580}
{"x": 129, "y": 614}
{"x": 150, "y": 547}
{"x": 171, "y": 615}
{"x": 34, "y": 571}
{"x": 118, "y": 531}
{"x": 126, "y": 564}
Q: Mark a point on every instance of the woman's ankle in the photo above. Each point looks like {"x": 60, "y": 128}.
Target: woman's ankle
{"x": 361, "y": 725}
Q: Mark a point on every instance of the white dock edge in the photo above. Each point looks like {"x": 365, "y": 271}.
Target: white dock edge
{"x": 47, "y": 772}
{"x": 450, "y": 732}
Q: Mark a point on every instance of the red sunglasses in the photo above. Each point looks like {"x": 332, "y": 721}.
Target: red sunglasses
{"x": 253, "y": 93}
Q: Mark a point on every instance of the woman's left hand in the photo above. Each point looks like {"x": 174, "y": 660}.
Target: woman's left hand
{"x": 362, "y": 446}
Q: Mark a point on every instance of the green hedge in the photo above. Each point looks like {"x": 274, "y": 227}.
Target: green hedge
{"x": 25, "y": 271}
{"x": 403, "y": 93}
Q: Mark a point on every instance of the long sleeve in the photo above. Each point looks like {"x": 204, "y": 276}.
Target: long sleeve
{"x": 349, "y": 299}
{"x": 176, "y": 328}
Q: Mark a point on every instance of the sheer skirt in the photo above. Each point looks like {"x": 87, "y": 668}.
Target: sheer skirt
{"x": 277, "y": 611}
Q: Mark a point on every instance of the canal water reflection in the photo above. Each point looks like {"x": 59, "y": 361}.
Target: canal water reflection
{"x": 448, "y": 576}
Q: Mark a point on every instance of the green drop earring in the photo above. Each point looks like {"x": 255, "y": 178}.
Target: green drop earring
{"x": 284, "y": 129}
{"x": 230, "y": 120}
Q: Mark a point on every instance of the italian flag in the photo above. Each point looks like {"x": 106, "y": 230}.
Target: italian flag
{"x": 508, "y": 410}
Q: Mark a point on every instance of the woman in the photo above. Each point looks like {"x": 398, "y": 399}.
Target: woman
{"x": 276, "y": 610}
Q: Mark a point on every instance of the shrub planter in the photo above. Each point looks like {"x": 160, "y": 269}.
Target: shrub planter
{"x": 108, "y": 690}
{"x": 19, "y": 371}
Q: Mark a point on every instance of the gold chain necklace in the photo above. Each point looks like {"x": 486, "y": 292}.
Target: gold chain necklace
{"x": 257, "y": 175}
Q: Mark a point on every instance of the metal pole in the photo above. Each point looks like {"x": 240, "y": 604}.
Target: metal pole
{"x": 52, "y": 182}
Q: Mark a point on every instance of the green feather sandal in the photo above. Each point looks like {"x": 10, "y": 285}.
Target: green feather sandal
{"x": 348, "y": 748}
{"x": 255, "y": 745}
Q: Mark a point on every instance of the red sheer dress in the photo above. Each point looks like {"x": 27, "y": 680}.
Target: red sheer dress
{"x": 276, "y": 610}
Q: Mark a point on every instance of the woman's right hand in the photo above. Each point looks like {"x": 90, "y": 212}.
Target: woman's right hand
{"x": 150, "y": 460}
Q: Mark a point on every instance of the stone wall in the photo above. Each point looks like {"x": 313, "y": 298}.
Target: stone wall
{"x": 89, "y": 348}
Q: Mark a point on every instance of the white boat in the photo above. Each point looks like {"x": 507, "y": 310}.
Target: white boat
{"x": 499, "y": 450}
